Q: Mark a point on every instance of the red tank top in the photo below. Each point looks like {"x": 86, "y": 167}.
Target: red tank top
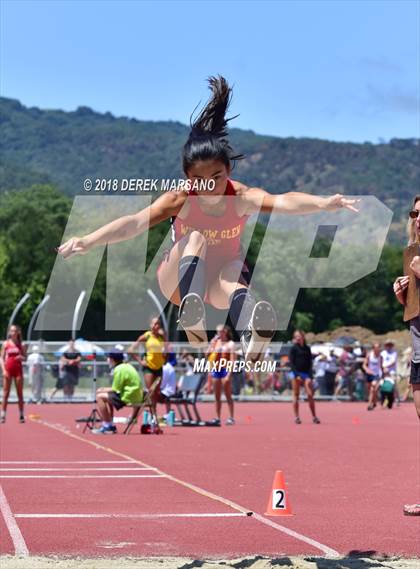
{"x": 223, "y": 233}
{"x": 11, "y": 353}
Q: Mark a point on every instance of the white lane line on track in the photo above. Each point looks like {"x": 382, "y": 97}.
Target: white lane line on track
{"x": 324, "y": 548}
{"x": 83, "y": 476}
{"x": 131, "y": 469}
{"x": 145, "y": 516}
{"x": 19, "y": 544}
{"x": 327, "y": 550}
{"x": 70, "y": 462}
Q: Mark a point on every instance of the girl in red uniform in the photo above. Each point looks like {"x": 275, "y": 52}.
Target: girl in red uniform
{"x": 205, "y": 259}
{"x": 12, "y": 354}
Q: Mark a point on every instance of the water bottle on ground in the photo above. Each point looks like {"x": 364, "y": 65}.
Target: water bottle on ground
{"x": 170, "y": 418}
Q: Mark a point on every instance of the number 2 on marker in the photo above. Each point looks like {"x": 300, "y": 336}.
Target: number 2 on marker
{"x": 279, "y": 500}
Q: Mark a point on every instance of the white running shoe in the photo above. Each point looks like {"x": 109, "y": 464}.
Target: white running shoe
{"x": 192, "y": 317}
{"x": 261, "y": 329}
{"x": 105, "y": 430}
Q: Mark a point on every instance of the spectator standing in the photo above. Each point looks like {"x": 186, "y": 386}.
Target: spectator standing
{"x": 222, "y": 348}
{"x": 154, "y": 358}
{"x": 300, "y": 358}
{"x": 168, "y": 384}
{"x": 372, "y": 366}
{"x": 320, "y": 366}
{"x": 389, "y": 358}
{"x": 389, "y": 361}
{"x": 331, "y": 370}
{"x": 36, "y": 371}
{"x": 70, "y": 370}
{"x": 347, "y": 365}
{"x": 407, "y": 292}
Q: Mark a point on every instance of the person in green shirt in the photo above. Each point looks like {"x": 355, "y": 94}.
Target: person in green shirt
{"x": 126, "y": 389}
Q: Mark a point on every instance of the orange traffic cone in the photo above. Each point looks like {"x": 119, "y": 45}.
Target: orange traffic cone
{"x": 279, "y": 503}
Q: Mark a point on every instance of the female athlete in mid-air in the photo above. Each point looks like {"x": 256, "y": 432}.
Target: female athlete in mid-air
{"x": 205, "y": 261}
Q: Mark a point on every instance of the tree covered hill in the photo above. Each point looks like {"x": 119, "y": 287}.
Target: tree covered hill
{"x": 46, "y": 155}
{"x": 64, "y": 148}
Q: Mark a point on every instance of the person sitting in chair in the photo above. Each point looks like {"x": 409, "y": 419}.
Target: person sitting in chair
{"x": 126, "y": 389}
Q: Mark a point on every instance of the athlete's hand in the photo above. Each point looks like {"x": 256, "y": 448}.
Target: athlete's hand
{"x": 74, "y": 246}
{"x": 338, "y": 201}
{"x": 400, "y": 284}
{"x": 415, "y": 266}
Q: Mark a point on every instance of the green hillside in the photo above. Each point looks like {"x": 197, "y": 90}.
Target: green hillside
{"x": 64, "y": 148}
{"x": 46, "y": 155}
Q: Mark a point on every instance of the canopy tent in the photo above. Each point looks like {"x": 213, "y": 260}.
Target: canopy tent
{"x": 86, "y": 348}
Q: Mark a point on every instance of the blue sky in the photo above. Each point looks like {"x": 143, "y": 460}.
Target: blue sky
{"x": 335, "y": 70}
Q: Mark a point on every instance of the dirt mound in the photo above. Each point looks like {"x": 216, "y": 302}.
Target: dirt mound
{"x": 258, "y": 562}
{"x": 363, "y": 335}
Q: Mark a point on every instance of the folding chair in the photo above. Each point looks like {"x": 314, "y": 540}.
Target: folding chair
{"x": 189, "y": 391}
{"x": 145, "y": 404}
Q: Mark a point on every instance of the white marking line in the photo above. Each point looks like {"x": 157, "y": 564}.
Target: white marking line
{"x": 82, "y": 476}
{"x": 71, "y": 469}
{"x": 327, "y": 550}
{"x": 146, "y": 516}
{"x": 19, "y": 544}
{"x": 324, "y": 548}
{"x": 68, "y": 462}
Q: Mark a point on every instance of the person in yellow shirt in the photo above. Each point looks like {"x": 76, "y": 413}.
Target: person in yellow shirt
{"x": 154, "y": 357}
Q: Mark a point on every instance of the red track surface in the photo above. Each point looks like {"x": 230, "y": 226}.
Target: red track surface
{"x": 348, "y": 479}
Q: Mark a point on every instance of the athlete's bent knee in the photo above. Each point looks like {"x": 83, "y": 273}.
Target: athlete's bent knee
{"x": 197, "y": 240}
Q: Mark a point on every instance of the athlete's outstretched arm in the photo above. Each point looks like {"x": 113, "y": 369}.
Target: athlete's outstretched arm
{"x": 126, "y": 227}
{"x": 257, "y": 199}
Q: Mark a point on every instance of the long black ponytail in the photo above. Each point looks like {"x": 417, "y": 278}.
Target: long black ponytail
{"x": 208, "y": 139}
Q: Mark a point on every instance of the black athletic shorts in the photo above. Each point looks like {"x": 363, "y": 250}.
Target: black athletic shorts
{"x": 162, "y": 398}
{"x": 415, "y": 373}
{"x": 155, "y": 372}
{"x": 116, "y": 400}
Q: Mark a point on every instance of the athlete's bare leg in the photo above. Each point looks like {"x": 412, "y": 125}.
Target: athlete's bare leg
{"x": 296, "y": 383}
{"x": 19, "y": 392}
{"x": 227, "y": 387}
{"x": 372, "y": 386}
{"x": 416, "y": 397}
{"x": 149, "y": 380}
{"x": 7, "y": 383}
{"x": 217, "y": 389}
{"x": 310, "y": 394}
{"x": 259, "y": 319}
{"x": 222, "y": 286}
